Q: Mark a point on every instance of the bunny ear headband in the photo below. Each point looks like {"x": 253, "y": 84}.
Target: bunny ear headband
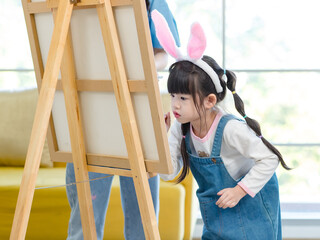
{"x": 196, "y": 46}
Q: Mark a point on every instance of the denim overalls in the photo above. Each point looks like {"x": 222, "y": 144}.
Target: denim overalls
{"x": 255, "y": 218}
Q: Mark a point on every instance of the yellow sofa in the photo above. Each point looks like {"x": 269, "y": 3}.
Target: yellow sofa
{"x": 50, "y": 210}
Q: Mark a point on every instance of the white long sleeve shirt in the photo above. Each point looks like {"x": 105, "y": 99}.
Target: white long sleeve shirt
{"x": 242, "y": 152}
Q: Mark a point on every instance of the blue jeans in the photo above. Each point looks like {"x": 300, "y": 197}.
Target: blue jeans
{"x": 100, "y": 191}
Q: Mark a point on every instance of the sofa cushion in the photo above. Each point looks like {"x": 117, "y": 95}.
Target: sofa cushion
{"x": 17, "y": 109}
{"x": 50, "y": 208}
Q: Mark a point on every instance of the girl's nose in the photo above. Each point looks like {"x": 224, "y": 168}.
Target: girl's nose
{"x": 175, "y": 104}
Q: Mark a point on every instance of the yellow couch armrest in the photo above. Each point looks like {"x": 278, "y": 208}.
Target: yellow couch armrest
{"x": 191, "y": 204}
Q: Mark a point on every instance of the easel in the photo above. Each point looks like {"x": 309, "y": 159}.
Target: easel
{"x": 60, "y": 56}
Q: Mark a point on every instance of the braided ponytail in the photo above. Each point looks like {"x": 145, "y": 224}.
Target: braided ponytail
{"x": 253, "y": 124}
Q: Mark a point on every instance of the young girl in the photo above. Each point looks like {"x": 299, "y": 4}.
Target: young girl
{"x": 233, "y": 164}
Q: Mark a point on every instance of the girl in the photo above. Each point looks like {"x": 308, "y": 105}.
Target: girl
{"x": 231, "y": 161}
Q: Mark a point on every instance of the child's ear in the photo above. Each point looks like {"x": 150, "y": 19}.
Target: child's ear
{"x": 210, "y": 101}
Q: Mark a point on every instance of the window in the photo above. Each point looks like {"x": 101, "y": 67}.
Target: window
{"x": 16, "y": 67}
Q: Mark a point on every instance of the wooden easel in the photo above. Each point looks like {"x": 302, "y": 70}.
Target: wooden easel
{"x": 60, "y": 56}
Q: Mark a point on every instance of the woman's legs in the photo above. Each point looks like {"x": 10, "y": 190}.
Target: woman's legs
{"x": 100, "y": 192}
{"x": 133, "y": 229}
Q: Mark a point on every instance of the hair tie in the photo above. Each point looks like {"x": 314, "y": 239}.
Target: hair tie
{"x": 260, "y": 136}
{"x": 233, "y": 92}
{"x": 245, "y": 116}
{"x": 183, "y": 136}
{"x": 224, "y": 76}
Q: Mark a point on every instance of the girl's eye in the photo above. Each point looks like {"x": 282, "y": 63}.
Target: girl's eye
{"x": 172, "y": 95}
{"x": 183, "y": 98}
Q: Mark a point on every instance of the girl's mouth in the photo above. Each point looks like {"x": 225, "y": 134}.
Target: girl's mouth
{"x": 176, "y": 115}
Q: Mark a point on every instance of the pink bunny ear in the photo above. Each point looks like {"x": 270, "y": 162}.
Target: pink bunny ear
{"x": 197, "y": 42}
{"x": 164, "y": 34}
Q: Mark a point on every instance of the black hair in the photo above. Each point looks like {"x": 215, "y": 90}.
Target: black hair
{"x": 147, "y": 4}
{"x": 187, "y": 78}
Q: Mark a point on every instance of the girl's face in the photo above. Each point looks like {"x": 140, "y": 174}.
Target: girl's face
{"x": 183, "y": 108}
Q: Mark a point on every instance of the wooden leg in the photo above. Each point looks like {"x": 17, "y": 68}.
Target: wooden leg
{"x": 128, "y": 121}
{"x": 77, "y": 141}
{"x": 41, "y": 120}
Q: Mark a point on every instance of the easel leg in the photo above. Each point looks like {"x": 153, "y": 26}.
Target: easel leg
{"x": 127, "y": 116}
{"x": 77, "y": 141}
{"x": 40, "y": 124}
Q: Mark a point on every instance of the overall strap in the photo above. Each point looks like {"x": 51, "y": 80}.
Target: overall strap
{"x": 218, "y": 136}
{"x": 216, "y": 148}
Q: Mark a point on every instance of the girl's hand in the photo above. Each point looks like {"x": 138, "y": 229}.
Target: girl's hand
{"x": 230, "y": 197}
{"x": 160, "y": 58}
{"x": 167, "y": 120}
